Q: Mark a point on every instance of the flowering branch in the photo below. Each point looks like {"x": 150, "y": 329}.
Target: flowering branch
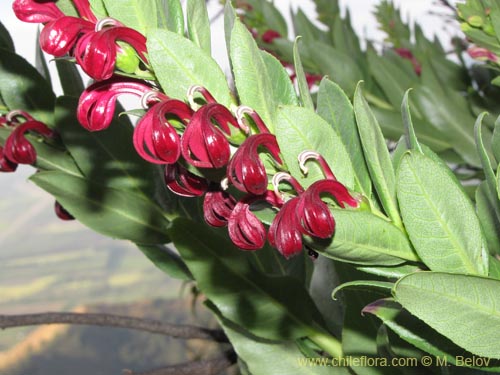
{"x": 109, "y": 320}
{"x": 211, "y": 366}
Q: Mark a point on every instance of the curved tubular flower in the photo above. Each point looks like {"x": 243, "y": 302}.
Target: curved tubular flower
{"x": 203, "y": 144}
{"x": 285, "y": 233}
{"x": 245, "y": 230}
{"x": 6, "y": 165}
{"x": 155, "y": 139}
{"x": 217, "y": 207}
{"x": 184, "y": 183}
{"x": 59, "y": 37}
{"x": 315, "y": 216}
{"x": 207, "y": 96}
{"x": 245, "y": 169}
{"x": 36, "y": 11}
{"x": 96, "y": 52}
{"x": 83, "y": 8}
{"x": 61, "y": 212}
{"x": 97, "y": 103}
{"x": 18, "y": 149}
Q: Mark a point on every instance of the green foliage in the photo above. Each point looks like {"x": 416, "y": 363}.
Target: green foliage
{"x": 198, "y": 24}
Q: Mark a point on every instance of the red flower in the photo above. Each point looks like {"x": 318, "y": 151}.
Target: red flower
{"x": 60, "y": 36}
{"x": 408, "y": 55}
{"x": 61, "y": 212}
{"x": 6, "y": 165}
{"x": 285, "y": 233}
{"x": 97, "y": 103}
{"x": 245, "y": 170}
{"x": 184, "y": 183}
{"x": 155, "y": 139}
{"x": 270, "y": 35}
{"x": 36, "y": 11}
{"x": 17, "y": 148}
{"x": 203, "y": 144}
{"x": 217, "y": 207}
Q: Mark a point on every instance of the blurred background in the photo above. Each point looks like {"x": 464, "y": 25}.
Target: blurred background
{"x": 50, "y": 265}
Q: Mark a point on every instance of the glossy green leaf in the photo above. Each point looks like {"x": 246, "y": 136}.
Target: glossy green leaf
{"x": 439, "y": 217}
{"x": 136, "y": 14}
{"x": 335, "y": 108}
{"x": 98, "y": 8}
{"x": 51, "y": 157}
{"x": 417, "y": 333}
{"x": 299, "y": 129}
{"x": 282, "y": 86}
{"x": 22, "y": 87}
{"x": 389, "y": 272}
{"x": 115, "y": 213}
{"x": 265, "y": 306}
{"x": 107, "y": 157}
{"x": 198, "y": 24}
{"x": 365, "y": 239}
{"x": 368, "y": 285}
{"x": 305, "y": 95}
{"x": 166, "y": 260}
{"x": 171, "y": 16}
{"x": 5, "y": 39}
{"x": 70, "y": 78}
{"x": 463, "y": 308}
{"x": 377, "y": 156}
{"x": 252, "y": 80}
{"x": 178, "y": 64}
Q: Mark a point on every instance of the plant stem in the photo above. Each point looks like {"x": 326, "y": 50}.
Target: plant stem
{"x": 327, "y": 342}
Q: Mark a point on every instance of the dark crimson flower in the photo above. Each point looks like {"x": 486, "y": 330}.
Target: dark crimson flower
{"x": 245, "y": 169}
{"x": 60, "y": 36}
{"x": 96, "y": 52}
{"x": 408, "y": 55}
{"x": 285, "y": 233}
{"x": 97, "y": 103}
{"x": 270, "y": 35}
{"x": 204, "y": 144}
{"x": 17, "y": 148}
{"x": 184, "y": 183}
{"x": 61, "y": 212}
{"x": 482, "y": 54}
{"x": 6, "y": 165}
{"x": 217, "y": 207}
{"x": 34, "y": 11}
{"x": 155, "y": 139}
{"x": 316, "y": 218}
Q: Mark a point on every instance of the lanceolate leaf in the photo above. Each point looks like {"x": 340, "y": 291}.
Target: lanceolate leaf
{"x": 283, "y": 90}
{"x": 420, "y": 335}
{"x": 411, "y": 137}
{"x": 5, "y": 39}
{"x": 377, "y": 156}
{"x": 166, "y": 260}
{"x": 265, "y": 306}
{"x": 251, "y": 79}
{"x": 439, "y": 217}
{"x": 463, "y": 308}
{"x": 365, "y": 239}
{"x": 335, "y": 108}
{"x": 71, "y": 80}
{"x": 140, "y": 15}
{"x": 299, "y": 129}
{"x": 112, "y": 212}
{"x": 488, "y": 217}
{"x": 171, "y": 16}
{"x": 178, "y": 64}
{"x": 98, "y": 8}
{"x": 106, "y": 157}
{"x": 198, "y": 24}
{"x": 22, "y": 87}
{"x": 305, "y": 95}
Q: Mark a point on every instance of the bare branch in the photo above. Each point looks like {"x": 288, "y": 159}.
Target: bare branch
{"x": 212, "y": 366}
{"x": 109, "y": 320}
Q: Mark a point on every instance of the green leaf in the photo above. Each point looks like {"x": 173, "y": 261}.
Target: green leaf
{"x": 305, "y": 95}
{"x": 107, "y": 157}
{"x": 495, "y": 142}
{"x": 417, "y": 333}
{"x": 5, "y": 39}
{"x": 51, "y": 157}
{"x": 485, "y": 160}
{"x": 265, "y": 306}
{"x": 136, "y": 14}
{"x": 463, "y": 308}
{"x": 179, "y": 63}
{"x": 282, "y": 86}
{"x": 40, "y": 63}
{"x": 251, "y": 77}
{"x": 390, "y": 272}
{"x": 170, "y": 16}
{"x": 368, "y": 285}
{"x": 68, "y": 8}
{"x": 166, "y": 260}
{"x": 334, "y": 107}
{"x": 363, "y": 238}
{"x": 299, "y": 129}
{"x": 488, "y": 217}
{"x": 408, "y": 124}
{"x": 439, "y": 217}
{"x": 274, "y": 18}
{"x": 71, "y": 80}
{"x": 115, "y": 213}
{"x": 198, "y": 24}
{"x": 22, "y": 87}
{"x": 377, "y": 156}
{"x": 98, "y": 8}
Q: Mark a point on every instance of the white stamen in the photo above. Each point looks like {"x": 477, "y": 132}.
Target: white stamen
{"x": 108, "y": 21}
{"x": 147, "y": 97}
{"x": 303, "y": 157}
